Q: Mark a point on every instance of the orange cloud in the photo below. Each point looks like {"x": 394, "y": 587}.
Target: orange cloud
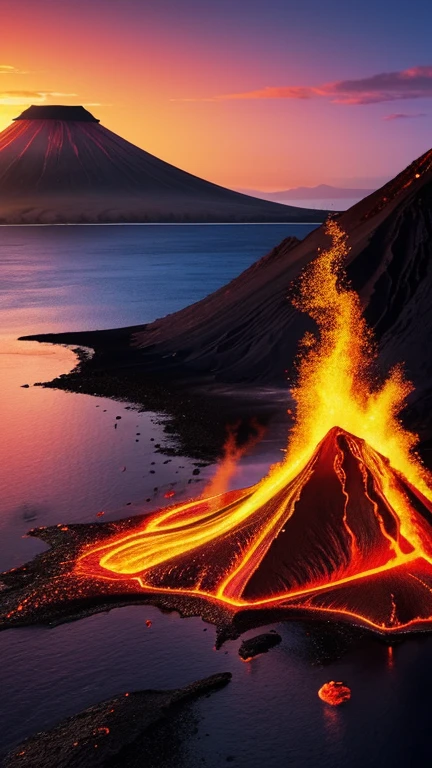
{"x": 21, "y": 98}
{"x": 8, "y": 69}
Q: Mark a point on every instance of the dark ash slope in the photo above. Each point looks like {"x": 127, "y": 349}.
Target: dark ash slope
{"x": 247, "y": 332}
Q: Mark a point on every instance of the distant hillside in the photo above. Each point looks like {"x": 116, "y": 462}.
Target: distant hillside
{"x": 321, "y": 192}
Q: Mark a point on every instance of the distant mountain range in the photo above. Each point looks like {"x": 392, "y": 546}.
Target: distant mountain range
{"x": 320, "y": 192}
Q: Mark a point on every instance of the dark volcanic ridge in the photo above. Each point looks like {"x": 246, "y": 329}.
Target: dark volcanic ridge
{"x": 59, "y": 165}
{"x": 119, "y": 731}
{"x": 246, "y": 334}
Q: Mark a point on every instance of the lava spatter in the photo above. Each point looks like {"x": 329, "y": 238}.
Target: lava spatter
{"x": 334, "y": 693}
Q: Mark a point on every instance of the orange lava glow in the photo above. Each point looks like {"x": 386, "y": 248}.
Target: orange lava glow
{"x": 341, "y": 527}
{"x": 334, "y": 693}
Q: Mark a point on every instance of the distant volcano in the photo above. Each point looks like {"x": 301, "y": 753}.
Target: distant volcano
{"x": 59, "y": 165}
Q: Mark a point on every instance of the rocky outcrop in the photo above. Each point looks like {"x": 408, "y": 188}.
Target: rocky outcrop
{"x": 126, "y": 730}
{"x": 258, "y": 644}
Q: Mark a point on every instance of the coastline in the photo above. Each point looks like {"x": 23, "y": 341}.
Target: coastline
{"x": 197, "y": 416}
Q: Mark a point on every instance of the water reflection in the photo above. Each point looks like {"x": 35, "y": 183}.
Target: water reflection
{"x": 333, "y": 723}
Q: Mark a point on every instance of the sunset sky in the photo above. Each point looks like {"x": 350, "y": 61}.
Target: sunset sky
{"x": 263, "y": 94}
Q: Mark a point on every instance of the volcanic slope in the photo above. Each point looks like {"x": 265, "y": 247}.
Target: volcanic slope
{"x": 59, "y": 165}
{"x": 248, "y": 331}
{"x": 346, "y": 535}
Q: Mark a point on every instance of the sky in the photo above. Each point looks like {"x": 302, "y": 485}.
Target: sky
{"x": 251, "y": 94}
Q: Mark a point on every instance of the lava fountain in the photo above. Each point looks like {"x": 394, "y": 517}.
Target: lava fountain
{"x": 342, "y": 526}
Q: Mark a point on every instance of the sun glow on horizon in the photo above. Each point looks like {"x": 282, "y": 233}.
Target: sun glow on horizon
{"x": 164, "y": 73}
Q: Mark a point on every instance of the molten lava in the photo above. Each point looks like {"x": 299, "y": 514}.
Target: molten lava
{"x": 334, "y": 693}
{"x": 343, "y": 526}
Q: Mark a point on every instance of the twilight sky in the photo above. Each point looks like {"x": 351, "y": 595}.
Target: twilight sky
{"x": 261, "y": 94}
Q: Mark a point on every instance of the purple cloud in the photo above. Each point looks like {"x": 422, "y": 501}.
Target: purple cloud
{"x": 414, "y": 83}
{"x": 404, "y": 116}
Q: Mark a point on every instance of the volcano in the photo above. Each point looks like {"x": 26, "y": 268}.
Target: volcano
{"x": 346, "y": 537}
{"x": 328, "y": 540}
{"x": 59, "y": 165}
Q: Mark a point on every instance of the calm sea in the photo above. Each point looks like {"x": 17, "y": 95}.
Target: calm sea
{"x": 62, "y": 461}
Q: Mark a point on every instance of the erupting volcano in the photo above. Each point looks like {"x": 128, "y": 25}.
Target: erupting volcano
{"x": 344, "y": 535}
{"x": 59, "y": 165}
{"x": 342, "y": 527}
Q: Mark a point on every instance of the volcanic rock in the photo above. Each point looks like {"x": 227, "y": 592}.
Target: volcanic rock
{"x": 59, "y": 165}
{"x": 259, "y": 644}
{"x": 334, "y": 693}
{"x": 117, "y": 732}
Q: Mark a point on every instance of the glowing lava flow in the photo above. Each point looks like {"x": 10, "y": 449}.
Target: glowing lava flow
{"x": 334, "y": 693}
{"x": 343, "y": 526}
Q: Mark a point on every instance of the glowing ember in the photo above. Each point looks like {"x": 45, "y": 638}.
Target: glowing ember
{"x": 343, "y": 525}
{"x": 334, "y": 693}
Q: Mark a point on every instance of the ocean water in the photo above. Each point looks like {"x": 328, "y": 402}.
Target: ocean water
{"x": 60, "y": 454}
{"x": 63, "y": 460}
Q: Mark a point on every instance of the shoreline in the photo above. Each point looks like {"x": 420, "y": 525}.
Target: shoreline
{"x": 196, "y": 417}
